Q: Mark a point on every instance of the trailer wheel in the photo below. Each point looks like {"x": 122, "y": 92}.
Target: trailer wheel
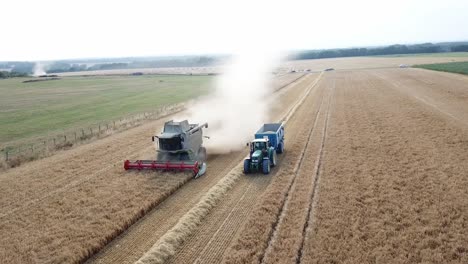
{"x": 266, "y": 166}
{"x": 273, "y": 159}
{"x": 280, "y": 148}
{"x": 246, "y": 166}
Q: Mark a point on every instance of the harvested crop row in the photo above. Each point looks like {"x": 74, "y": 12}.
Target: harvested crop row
{"x": 287, "y": 241}
{"x": 249, "y": 247}
{"x": 394, "y": 188}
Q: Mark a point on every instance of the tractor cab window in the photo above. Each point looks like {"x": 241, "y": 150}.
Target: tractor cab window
{"x": 259, "y": 145}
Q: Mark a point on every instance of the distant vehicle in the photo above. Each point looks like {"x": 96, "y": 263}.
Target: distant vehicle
{"x": 308, "y": 70}
{"x": 329, "y": 69}
{"x": 403, "y": 66}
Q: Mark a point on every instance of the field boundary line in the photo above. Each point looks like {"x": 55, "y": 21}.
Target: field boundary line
{"x": 168, "y": 244}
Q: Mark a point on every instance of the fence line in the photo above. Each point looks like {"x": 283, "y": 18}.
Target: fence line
{"x": 14, "y": 155}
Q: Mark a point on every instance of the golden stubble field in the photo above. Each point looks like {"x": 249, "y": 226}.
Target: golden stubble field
{"x": 374, "y": 172}
{"x": 391, "y": 181}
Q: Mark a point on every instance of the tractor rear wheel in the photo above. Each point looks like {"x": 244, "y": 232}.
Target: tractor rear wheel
{"x": 280, "y": 148}
{"x": 273, "y": 159}
{"x": 266, "y": 166}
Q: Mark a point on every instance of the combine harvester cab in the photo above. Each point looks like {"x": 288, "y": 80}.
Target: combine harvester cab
{"x": 269, "y": 141}
{"x": 180, "y": 149}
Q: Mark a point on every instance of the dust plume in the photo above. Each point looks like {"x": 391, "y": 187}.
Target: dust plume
{"x": 239, "y": 105}
{"x": 39, "y": 69}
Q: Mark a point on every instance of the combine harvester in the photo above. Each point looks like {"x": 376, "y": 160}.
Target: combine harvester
{"x": 268, "y": 141}
{"x": 180, "y": 149}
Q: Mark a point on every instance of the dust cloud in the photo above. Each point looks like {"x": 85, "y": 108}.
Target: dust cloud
{"x": 39, "y": 69}
{"x": 239, "y": 104}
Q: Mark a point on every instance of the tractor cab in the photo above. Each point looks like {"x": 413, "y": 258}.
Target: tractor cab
{"x": 259, "y": 144}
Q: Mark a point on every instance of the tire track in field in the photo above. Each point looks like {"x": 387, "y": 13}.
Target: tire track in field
{"x": 318, "y": 169}
{"x": 232, "y": 222}
{"x": 284, "y": 234}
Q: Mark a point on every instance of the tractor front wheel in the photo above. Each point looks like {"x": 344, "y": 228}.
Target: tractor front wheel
{"x": 246, "y": 166}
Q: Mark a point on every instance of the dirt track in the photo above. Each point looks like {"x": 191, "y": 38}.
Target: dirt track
{"x": 375, "y": 171}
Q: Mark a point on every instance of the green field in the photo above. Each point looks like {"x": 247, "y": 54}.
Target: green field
{"x": 41, "y": 108}
{"x": 455, "y": 67}
{"x": 440, "y": 54}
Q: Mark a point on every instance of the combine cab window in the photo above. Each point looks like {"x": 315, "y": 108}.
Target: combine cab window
{"x": 170, "y": 143}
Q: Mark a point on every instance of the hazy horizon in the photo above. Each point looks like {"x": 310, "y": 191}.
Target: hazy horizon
{"x": 50, "y": 30}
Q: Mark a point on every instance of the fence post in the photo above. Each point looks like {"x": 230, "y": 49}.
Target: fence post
{"x": 75, "y": 136}
{"x": 32, "y": 148}
{"x": 91, "y": 130}
{"x": 6, "y": 154}
{"x": 114, "y": 124}
{"x": 82, "y": 132}
{"x": 54, "y": 143}
{"x": 99, "y": 132}
{"x": 65, "y": 137}
{"x": 107, "y": 127}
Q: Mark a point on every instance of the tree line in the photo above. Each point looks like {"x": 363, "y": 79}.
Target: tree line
{"x": 387, "y": 50}
{"x": 63, "y": 66}
{"x": 7, "y": 74}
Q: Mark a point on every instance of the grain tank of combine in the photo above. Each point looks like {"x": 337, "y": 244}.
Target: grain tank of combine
{"x": 181, "y": 141}
{"x": 180, "y": 147}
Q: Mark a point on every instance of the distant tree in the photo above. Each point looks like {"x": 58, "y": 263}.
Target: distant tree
{"x": 23, "y": 67}
{"x": 459, "y": 48}
{"x": 5, "y": 74}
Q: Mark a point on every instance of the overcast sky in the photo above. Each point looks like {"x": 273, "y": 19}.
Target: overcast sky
{"x": 46, "y": 30}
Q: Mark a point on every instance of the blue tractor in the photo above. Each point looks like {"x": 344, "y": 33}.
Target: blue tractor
{"x": 269, "y": 141}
